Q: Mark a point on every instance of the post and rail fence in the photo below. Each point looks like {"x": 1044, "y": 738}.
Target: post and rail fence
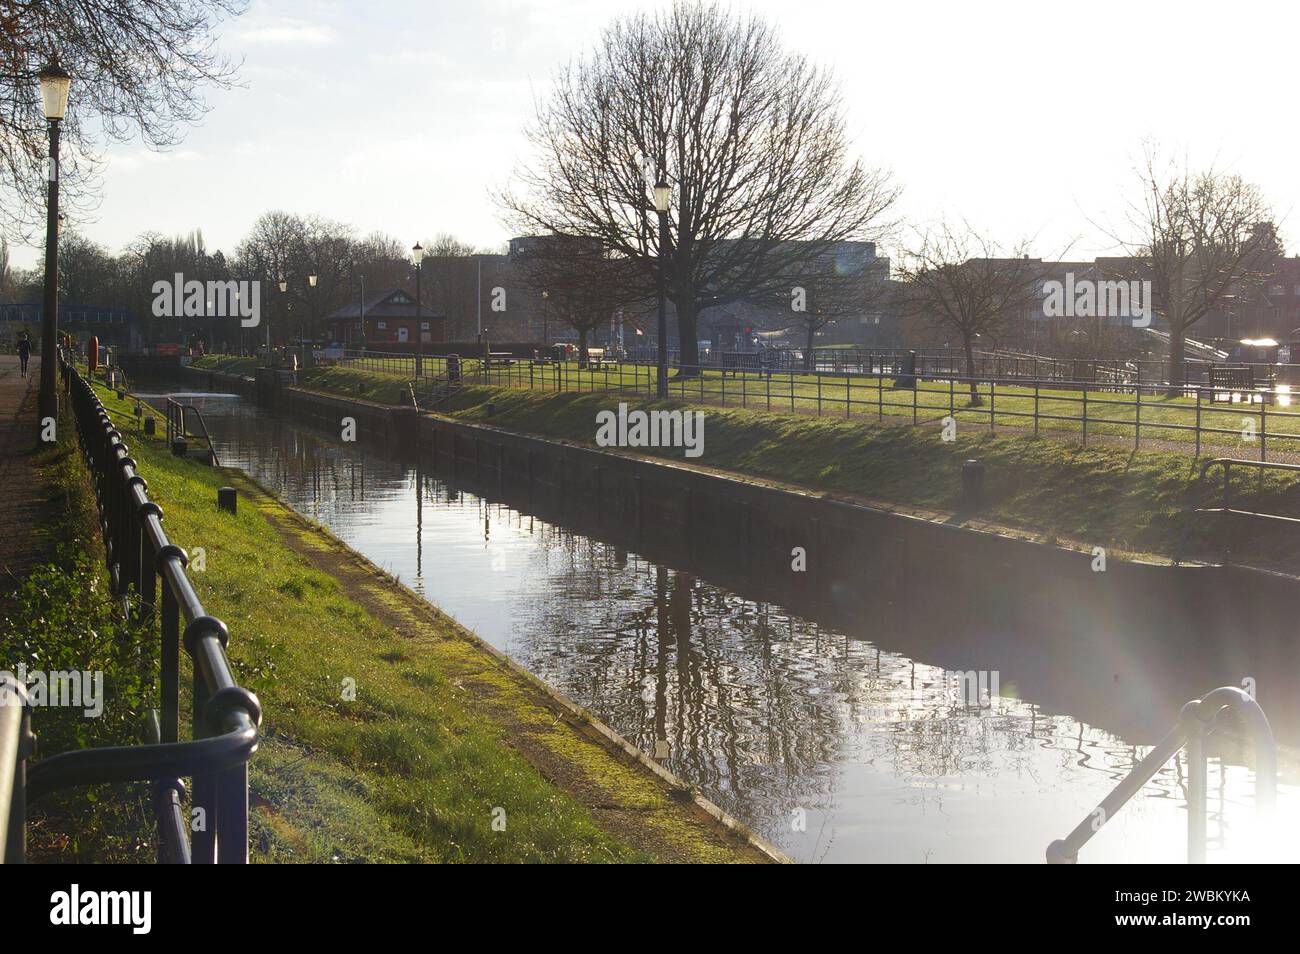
{"x": 225, "y": 716}
{"x": 1194, "y": 416}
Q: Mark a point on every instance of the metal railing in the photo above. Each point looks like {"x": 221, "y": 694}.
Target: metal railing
{"x": 178, "y": 426}
{"x": 1195, "y": 416}
{"x": 225, "y": 716}
{"x": 1195, "y": 721}
{"x": 1226, "y": 503}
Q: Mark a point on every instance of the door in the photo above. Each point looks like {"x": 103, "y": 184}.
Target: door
{"x": 402, "y": 334}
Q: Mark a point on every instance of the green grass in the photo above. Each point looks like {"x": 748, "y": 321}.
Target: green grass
{"x": 1104, "y": 494}
{"x": 1097, "y": 496}
{"x": 410, "y": 770}
{"x": 61, "y": 617}
{"x": 1120, "y": 415}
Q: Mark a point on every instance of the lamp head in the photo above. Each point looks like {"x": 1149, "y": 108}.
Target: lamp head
{"x": 54, "y": 91}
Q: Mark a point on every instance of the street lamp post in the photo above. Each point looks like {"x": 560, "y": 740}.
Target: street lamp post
{"x": 417, "y": 256}
{"x": 284, "y": 290}
{"x": 54, "y": 97}
{"x": 545, "y": 321}
{"x": 311, "y": 280}
{"x": 662, "y": 193}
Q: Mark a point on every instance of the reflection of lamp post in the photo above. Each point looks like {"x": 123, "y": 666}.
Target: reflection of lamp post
{"x": 417, "y": 256}
{"x": 662, "y": 193}
{"x": 54, "y": 96}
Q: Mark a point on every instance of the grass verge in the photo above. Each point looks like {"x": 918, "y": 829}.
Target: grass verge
{"x": 391, "y": 734}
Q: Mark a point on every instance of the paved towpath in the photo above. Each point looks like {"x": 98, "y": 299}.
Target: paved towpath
{"x": 23, "y": 503}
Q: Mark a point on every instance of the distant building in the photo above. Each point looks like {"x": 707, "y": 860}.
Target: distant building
{"x": 389, "y": 321}
{"x": 113, "y": 326}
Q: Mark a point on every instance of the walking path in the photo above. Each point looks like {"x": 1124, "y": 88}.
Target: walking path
{"x": 23, "y": 503}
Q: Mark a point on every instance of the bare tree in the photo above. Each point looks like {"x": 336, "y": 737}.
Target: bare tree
{"x": 584, "y": 283}
{"x": 832, "y": 289}
{"x": 964, "y": 282}
{"x": 138, "y": 67}
{"x": 1203, "y": 235}
{"x": 750, "y": 136}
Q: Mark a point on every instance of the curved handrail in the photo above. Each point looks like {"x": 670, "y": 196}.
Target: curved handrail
{"x": 1194, "y": 721}
{"x": 143, "y": 763}
{"x": 184, "y": 430}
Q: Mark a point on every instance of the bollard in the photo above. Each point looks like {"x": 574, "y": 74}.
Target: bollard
{"x": 227, "y": 499}
{"x": 491, "y": 409}
{"x": 148, "y": 425}
{"x": 180, "y": 447}
{"x": 972, "y": 483}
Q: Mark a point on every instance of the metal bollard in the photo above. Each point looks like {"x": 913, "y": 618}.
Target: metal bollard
{"x": 228, "y": 499}
{"x": 972, "y": 483}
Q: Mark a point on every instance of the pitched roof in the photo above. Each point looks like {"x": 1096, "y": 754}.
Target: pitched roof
{"x": 385, "y": 303}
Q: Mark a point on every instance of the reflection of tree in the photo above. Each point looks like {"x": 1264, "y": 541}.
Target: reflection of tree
{"x": 760, "y": 708}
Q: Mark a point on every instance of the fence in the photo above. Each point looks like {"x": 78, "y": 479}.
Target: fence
{"x": 1197, "y": 417}
{"x": 225, "y": 716}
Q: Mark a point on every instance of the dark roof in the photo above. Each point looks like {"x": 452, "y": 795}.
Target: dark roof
{"x": 385, "y": 303}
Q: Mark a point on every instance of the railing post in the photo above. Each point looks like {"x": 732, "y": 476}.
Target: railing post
{"x": 17, "y": 744}
{"x": 230, "y": 789}
{"x": 1263, "y": 429}
{"x": 203, "y": 848}
{"x": 1198, "y": 422}
{"x": 1196, "y": 796}
{"x": 1036, "y": 386}
{"x": 1137, "y": 418}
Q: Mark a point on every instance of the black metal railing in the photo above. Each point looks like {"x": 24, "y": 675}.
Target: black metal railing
{"x": 225, "y": 716}
{"x": 179, "y": 415}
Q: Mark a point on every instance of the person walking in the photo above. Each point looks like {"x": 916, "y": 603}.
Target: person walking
{"x": 24, "y": 351}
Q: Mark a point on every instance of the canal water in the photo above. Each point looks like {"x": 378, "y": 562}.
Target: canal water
{"x": 830, "y": 741}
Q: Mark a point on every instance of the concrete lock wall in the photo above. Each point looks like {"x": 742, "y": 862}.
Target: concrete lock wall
{"x": 1036, "y": 612}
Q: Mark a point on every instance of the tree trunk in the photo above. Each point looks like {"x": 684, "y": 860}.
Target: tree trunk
{"x": 970, "y": 372}
{"x": 1177, "y": 345}
{"x": 808, "y": 353}
{"x": 688, "y": 345}
{"x": 582, "y": 348}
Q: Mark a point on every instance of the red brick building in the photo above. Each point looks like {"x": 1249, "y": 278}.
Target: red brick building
{"x": 386, "y": 320}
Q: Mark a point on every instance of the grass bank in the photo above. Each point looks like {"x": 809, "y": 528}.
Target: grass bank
{"x": 61, "y": 617}
{"x": 1052, "y": 490}
{"x": 391, "y": 733}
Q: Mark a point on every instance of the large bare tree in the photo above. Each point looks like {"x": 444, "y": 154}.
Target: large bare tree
{"x": 750, "y": 136}
{"x": 1203, "y": 235}
{"x": 964, "y": 282}
{"x": 138, "y": 68}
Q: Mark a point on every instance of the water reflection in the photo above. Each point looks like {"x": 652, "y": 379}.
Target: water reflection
{"x": 826, "y": 741}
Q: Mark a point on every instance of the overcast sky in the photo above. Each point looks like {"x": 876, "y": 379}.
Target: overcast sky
{"x": 1027, "y": 119}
